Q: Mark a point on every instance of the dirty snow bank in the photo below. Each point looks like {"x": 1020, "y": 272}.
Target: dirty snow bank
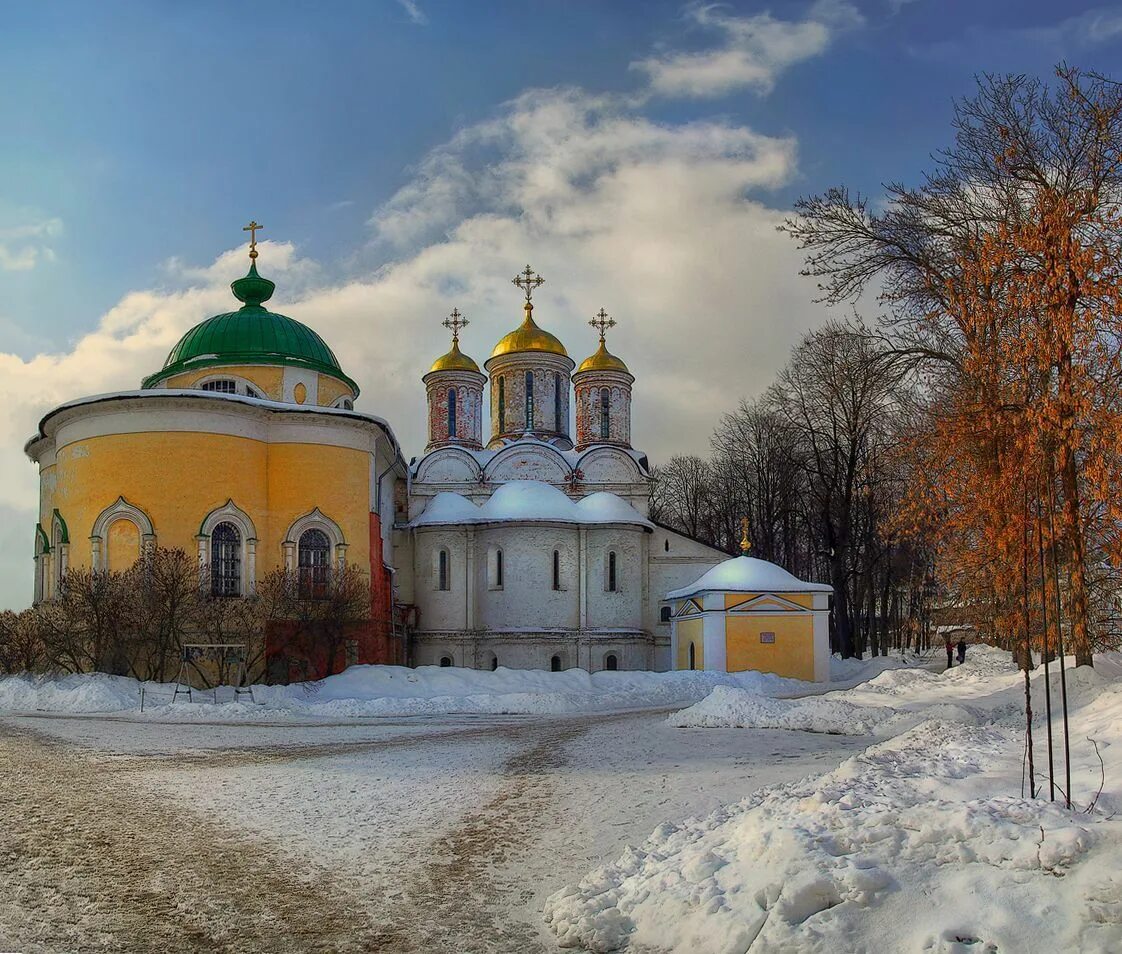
{"x": 363, "y": 691}
{"x": 921, "y": 843}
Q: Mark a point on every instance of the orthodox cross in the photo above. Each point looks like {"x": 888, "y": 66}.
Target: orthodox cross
{"x": 252, "y": 230}
{"x": 601, "y": 322}
{"x": 745, "y": 543}
{"x": 455, "y": 322}
{"x": 528, "y": 280}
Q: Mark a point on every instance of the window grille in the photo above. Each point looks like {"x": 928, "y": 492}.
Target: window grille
{"x": 529, "y": 400}
{"x": 605, "y": 413}
{"x": 313, "y": 564}
{"x": 451, "y": 413}
{"x": 222, "y": 386}
{"x": 226, "y": 560}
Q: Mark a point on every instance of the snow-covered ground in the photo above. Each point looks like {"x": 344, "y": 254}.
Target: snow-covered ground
{"x": 922, "y": 842}
{"x": 375, "y": 691}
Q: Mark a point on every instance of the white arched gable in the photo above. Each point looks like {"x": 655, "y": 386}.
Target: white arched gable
{"x": 608, "y": 465}
{"x": 120, "y": 509}
{"x": 316, "y": 520}
{"x": 452, "y": 465}
{"x": 528, "y": 462}
{"x": 233, "y": 514}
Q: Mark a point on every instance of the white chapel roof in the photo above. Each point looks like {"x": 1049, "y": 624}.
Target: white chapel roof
{"x": 521, "y": 500}
{"x": 744, "y": 574}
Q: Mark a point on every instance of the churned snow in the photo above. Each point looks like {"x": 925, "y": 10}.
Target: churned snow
{"x": 744, "y": 574}
{"x": 529, "y": 500}
{"x": 923, "y": 842}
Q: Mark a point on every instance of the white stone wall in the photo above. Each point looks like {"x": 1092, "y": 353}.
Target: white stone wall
{"x": 533, "y": 651}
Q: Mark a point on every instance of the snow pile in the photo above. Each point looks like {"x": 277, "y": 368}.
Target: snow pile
{"x": 371, "y": 691}
{"x": 921, "y": 843}
{"x": 529, "y": 500}
{"x": 727, "y": 706}
{"x": 93, "y": 692}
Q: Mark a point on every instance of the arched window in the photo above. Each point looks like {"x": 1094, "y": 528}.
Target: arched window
{"x": 221, "y": 385}
{"x": 442, "y": 582}
{"x": 494, "y": 663}
{"x": 555, "y": 664}
{"x": 226, "y": 560}
{"x": 345, "y": 404}
{"x": 557, "y": 569}
{"x": 666, "y": 544}
{"x": 445, "y": 662}
{"x": 251, "y": 391}
{"x": 313, "y": 562}
{"x": 605, "y": 413}
{"x": 693, "y": 659}
{"x": 611, "y": 663}
{"x": 612, "y": 583}
{"x": 664, "y": 614}
{"x": 451, "y": 412}
{"x": 558, "y": 410}
{"x": 529, "y": 400}
{"x": 502, "y": 405}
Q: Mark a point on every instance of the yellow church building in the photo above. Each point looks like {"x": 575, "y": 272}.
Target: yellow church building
{"x": 745, "y": 614}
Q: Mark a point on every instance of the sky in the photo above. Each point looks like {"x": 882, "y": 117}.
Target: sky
{"x": 410, "y": 156}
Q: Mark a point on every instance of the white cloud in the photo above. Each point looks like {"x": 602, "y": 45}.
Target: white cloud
{"x": 23, "y": 247}
{"x": 754, "y": 50}
{"x": 414, "y": 12}
{"x": 1071, "y": 34}
{"x": 664, "y": 225}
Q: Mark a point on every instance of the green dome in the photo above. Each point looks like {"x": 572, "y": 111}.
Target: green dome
{"x": 250, "y": 335}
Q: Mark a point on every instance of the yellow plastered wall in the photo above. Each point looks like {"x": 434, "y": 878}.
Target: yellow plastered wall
{"x": 266, "y": 378}
{"x": 799, "y": 599}
{"x": 123, "y": 544}
{"x": 792, "y": 653}
{"x": 177, "y": 478}
{"x": 329, "y": 390}
{"x": 691, "y": 630}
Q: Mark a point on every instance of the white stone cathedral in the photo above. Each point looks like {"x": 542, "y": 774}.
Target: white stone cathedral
{"x": 534, "y": 549}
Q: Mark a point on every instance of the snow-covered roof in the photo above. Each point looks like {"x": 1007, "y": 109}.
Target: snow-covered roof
{"x": 744, "y": 574}
{"x": 529, "y": 500}
{"x": 484, "y": 456}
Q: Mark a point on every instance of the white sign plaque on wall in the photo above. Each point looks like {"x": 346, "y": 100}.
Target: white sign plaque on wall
{"x": 767, "y": 637}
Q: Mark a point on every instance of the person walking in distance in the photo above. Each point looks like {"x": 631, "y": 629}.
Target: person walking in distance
{"x": 961, "y": 650}
{"x": 950, "y": 653}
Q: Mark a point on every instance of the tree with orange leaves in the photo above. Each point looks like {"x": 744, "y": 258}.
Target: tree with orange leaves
{"x": 1001, "y": 275}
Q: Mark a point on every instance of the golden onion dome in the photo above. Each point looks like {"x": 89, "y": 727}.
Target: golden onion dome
{"x": 603, "y": 360}
{"x": 454, "y": 360}
{"x": 529, "y": 337}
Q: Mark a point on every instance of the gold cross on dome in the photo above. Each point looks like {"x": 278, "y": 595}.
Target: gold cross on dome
{"x": 252, "y": 230}
{"x": 601, "y": 322}
{"x": 528, "y": 280}
{"x": 455, "y": 322}
{"x": 745, "y": 543}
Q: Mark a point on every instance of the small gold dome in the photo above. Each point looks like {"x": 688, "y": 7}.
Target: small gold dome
{"x": 529, "y": 337}
{"x": 602, "y": 361}
{"x": 454, "y": 360}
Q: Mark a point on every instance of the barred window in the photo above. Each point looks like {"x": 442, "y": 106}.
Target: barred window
{"x": 502, "y": 405}
{"x": 529, "y": 400}
{"x": 451, "y": 413}
{"x": 226, "y": 560}
{"x": 221, "y": 385}
{"x": 605, "y": 413}
{"x": 558, "y": 410}
{"x": 313, "y": 564}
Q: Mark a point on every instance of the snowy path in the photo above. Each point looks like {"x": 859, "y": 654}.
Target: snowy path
{"x": 398, "y": 836}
